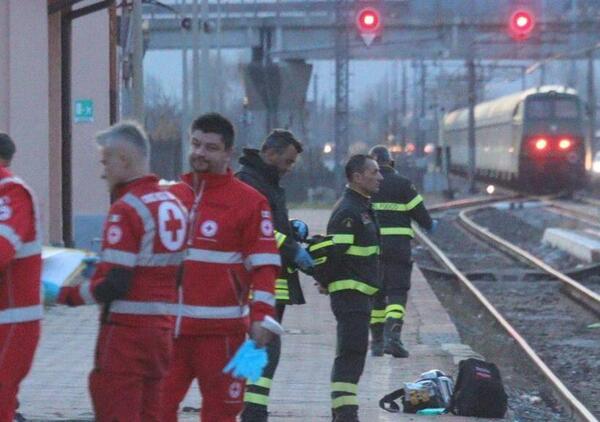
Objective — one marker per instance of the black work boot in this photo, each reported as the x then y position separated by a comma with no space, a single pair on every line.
346,414
254,413
376,339
392,344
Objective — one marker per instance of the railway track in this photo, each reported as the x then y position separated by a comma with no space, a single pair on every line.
526,325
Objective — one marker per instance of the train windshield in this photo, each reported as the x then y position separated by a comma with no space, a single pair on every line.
552,108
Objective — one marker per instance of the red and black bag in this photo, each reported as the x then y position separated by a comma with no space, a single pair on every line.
478,391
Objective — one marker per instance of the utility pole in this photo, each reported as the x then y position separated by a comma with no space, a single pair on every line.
342,88
591,94
137,56
472,82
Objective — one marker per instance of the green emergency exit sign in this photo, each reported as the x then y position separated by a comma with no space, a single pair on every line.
84,111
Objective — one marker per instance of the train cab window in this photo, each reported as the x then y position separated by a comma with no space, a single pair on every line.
539,109
565,109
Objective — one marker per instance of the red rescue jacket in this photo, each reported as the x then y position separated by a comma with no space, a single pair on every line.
20,252
145,231
231,251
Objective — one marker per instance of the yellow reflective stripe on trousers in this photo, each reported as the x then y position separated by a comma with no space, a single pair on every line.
343,239
256,398
262,382
279,238
396,206
281,289
363,250
377,316
344,401
403,231
338,285
344,387
394,311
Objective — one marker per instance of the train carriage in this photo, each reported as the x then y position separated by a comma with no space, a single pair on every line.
534,139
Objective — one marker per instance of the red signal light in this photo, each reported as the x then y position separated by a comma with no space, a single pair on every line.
521,24
541,144
368,20
564,143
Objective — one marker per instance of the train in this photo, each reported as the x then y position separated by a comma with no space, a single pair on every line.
534,140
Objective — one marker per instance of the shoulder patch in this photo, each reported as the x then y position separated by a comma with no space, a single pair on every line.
348,222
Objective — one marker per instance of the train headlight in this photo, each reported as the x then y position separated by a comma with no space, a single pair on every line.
541,144
596,167
564,143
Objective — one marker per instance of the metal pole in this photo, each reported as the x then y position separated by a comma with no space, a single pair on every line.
523,78
137,59
421,134
591,88
472,101
342,76
205,68
195,60
218,77
185,97
404,106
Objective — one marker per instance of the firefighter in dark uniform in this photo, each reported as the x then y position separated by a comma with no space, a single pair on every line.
354,279
396,204
262,170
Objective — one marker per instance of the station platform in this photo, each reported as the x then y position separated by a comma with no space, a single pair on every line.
56,388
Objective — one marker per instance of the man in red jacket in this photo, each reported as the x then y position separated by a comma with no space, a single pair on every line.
20,268
142,249
231,251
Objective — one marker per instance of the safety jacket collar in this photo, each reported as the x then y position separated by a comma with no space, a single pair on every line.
211,180
5,172
357,196
385,169
252,159
123,188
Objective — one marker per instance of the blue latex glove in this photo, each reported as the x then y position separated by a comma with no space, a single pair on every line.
303,260
90,265
248,362
434,224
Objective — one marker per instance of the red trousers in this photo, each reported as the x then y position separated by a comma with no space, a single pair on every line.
17,347
131,363
203,358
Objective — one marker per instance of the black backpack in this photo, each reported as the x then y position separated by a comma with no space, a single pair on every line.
478,390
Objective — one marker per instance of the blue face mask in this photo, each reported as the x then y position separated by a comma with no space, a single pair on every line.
248,362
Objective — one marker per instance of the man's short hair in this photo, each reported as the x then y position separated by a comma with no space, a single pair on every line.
128,131
279,140
356,164
7,147
381,154
215,123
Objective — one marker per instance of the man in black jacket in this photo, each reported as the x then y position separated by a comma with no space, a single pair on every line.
354,270
262,170
396,204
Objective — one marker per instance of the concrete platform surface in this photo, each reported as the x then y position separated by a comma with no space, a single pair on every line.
56,388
